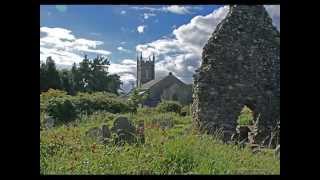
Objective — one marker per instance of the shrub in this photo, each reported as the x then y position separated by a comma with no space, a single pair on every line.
89,103
246,116
169,106
62,109
65,108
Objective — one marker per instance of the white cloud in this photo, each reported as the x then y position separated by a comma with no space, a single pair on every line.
177,9
123,42
123,12
181,54
64,47
140,28
126,69
120,48
147,15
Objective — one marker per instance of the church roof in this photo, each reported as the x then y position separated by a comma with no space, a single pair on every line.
151,83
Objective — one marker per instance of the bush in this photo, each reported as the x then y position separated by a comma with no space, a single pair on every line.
62,109
169,106
246,116
65,108
89,103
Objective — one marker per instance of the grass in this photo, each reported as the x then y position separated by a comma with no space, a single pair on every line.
177,150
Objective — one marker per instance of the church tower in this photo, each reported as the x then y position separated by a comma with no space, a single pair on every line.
145,70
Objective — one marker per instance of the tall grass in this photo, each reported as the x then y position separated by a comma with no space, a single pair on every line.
177,150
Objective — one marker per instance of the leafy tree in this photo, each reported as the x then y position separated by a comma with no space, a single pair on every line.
49,76
114,83
90,76
99,76
84,75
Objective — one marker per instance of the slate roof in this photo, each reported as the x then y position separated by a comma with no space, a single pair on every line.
151,83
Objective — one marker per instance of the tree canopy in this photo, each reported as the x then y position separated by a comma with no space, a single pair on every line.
91,76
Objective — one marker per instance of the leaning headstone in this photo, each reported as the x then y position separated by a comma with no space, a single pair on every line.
124,129
49,122
240,66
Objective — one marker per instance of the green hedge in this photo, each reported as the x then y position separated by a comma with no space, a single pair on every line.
65,108
169,106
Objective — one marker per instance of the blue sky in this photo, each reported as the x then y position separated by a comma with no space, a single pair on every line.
116,24
176,34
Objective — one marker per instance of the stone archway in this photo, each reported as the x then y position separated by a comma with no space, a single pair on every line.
240,66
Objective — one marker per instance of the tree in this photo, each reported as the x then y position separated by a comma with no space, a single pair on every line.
49,76
114,83
99,80
67,81
84,75
76,78
43,83
90,76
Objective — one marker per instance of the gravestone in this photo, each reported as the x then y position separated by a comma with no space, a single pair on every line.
240,66
124,129
49,122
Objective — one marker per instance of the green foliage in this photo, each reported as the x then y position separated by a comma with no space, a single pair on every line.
62,109
49,76
65,108
246,116
169,106
100,101
91,76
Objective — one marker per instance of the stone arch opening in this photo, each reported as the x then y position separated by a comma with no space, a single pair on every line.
245,116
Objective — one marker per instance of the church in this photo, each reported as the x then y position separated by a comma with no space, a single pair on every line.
165,88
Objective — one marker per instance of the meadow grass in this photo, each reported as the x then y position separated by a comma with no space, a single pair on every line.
178,150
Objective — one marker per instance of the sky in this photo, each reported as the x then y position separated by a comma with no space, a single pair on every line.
176,35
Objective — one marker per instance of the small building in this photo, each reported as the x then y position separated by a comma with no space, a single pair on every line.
166,88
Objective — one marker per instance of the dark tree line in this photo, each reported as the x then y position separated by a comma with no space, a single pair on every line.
91,76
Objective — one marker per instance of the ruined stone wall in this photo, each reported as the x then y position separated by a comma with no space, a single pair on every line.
240,66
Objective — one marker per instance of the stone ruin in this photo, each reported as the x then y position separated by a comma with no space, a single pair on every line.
240,66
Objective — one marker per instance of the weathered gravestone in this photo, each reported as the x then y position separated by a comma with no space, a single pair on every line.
240,66
49,122
124,129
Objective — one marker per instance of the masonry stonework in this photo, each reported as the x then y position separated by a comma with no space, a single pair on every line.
240,66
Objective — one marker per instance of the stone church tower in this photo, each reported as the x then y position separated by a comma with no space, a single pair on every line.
145,70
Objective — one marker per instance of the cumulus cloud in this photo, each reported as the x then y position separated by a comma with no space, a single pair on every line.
64,47
181,54
123,12
175,9
140,29
122,49
126,69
